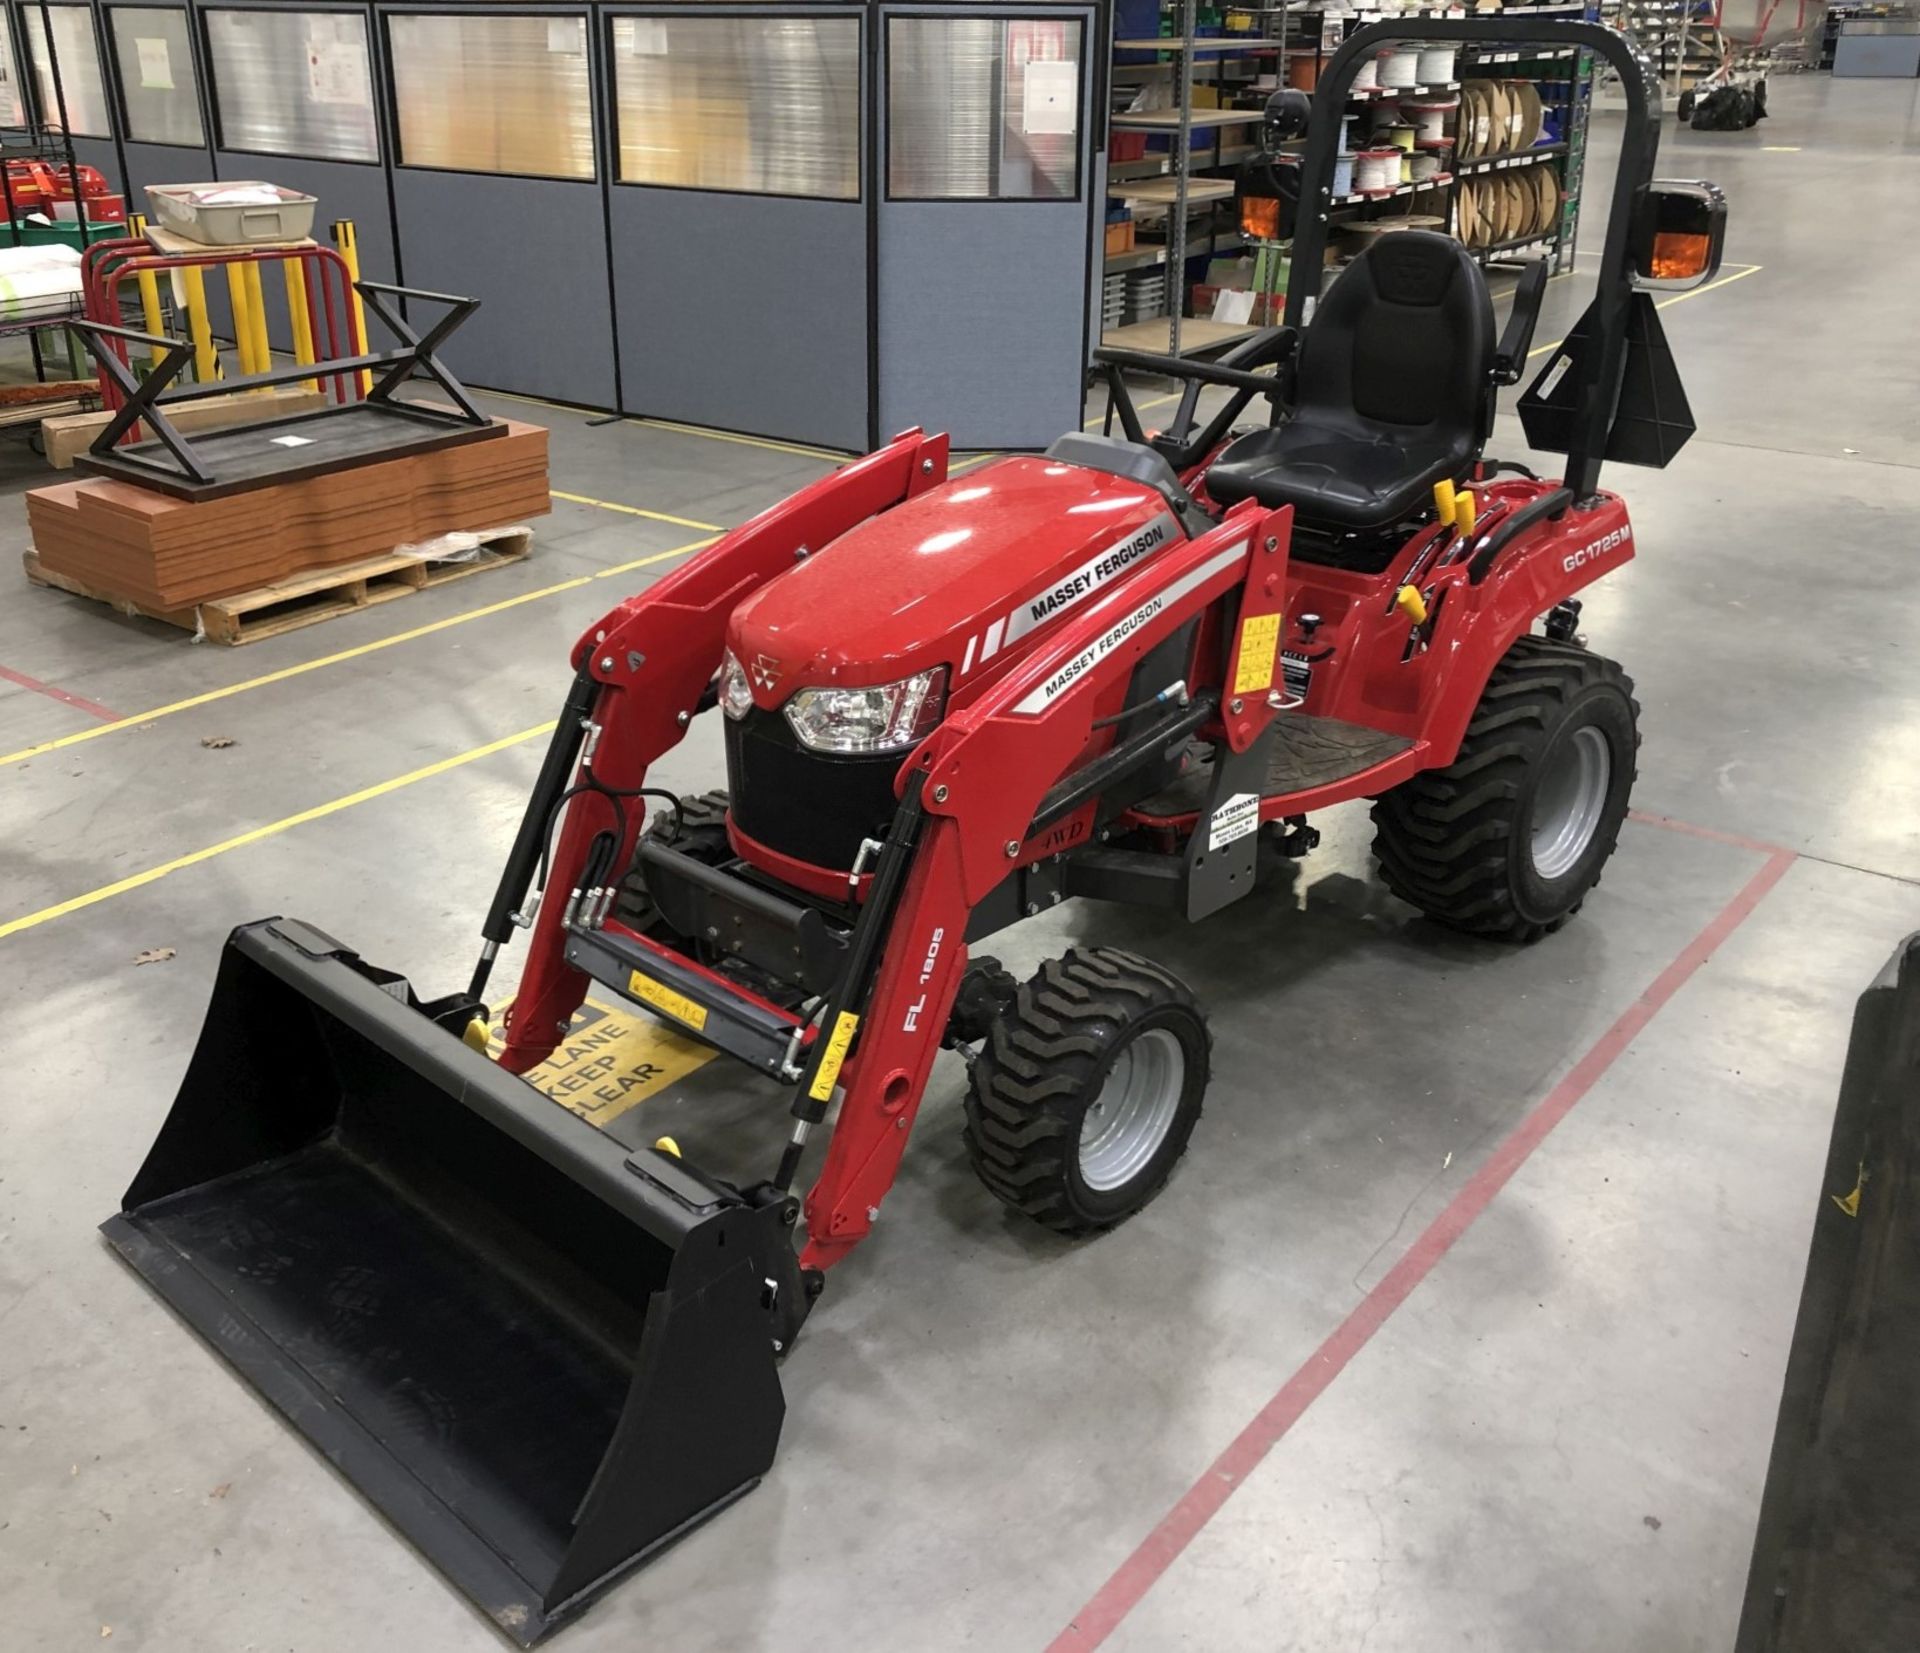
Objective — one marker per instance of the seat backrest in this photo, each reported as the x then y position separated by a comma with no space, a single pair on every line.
1403,339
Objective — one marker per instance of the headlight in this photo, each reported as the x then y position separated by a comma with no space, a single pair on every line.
736,693
887,719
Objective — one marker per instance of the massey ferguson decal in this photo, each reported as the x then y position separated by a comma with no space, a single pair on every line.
766,670
1073,670
1597,549
1070,589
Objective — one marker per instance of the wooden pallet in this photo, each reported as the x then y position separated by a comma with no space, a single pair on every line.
305,599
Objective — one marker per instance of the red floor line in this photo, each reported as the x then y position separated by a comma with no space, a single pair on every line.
1713,835
1178,1528
79,701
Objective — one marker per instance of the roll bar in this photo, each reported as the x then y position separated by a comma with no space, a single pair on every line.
1599,394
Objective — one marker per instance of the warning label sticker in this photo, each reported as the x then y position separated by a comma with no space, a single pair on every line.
664,999
612,1060
1259,642
1233,820
834,1057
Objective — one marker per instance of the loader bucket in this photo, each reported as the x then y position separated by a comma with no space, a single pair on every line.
541,1355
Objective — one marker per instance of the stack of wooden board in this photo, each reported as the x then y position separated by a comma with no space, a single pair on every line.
148,548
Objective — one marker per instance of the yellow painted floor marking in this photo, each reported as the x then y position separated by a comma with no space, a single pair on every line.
1668,303
96,730
748,441
968,464
613,1059
638,511
1780,149
135,880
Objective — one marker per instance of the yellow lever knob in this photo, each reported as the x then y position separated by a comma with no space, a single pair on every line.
1410,603
667,1145
1443,500
474,1035
1465,511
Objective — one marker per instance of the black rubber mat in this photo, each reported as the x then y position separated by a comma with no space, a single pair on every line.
1833,1556
1303,752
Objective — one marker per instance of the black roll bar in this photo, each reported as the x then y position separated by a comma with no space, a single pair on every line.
1598,394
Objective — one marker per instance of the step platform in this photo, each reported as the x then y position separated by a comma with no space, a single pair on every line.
1303,754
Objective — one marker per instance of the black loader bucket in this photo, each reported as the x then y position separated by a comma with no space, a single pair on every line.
540,1354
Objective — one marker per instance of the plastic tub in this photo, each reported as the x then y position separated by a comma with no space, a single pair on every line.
207,213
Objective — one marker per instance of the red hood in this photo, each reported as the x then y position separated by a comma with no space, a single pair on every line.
956,577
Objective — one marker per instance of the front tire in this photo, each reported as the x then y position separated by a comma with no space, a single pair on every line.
1508,839
1088,1090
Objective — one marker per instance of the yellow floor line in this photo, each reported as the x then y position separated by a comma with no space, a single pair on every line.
1668,303
95,731
272,828
746,441
638,511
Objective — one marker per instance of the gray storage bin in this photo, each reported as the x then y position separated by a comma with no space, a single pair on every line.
178,207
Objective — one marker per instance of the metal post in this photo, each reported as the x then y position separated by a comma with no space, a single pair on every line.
1181,155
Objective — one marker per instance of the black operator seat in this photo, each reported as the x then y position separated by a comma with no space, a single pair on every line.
1392,391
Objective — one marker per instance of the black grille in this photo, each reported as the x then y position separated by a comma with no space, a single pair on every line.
811,805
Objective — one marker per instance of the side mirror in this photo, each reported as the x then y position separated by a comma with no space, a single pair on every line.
1679,234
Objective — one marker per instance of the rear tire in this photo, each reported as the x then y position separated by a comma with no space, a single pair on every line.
699,830
1087,1090
1508,839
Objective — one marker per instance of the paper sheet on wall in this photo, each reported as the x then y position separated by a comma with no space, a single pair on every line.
566,36
1052,98
645,36
337,72
156,67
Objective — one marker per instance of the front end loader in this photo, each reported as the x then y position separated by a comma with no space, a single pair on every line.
1128,670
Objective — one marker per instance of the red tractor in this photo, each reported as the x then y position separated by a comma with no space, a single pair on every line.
1130,669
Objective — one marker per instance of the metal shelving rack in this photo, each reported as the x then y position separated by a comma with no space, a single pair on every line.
1290,31
1519,63
1177,186
1677,35
37,139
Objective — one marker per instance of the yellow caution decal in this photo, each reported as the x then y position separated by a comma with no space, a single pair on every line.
1259,641
664,999
834,1056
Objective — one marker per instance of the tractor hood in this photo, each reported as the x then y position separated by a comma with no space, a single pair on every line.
969,575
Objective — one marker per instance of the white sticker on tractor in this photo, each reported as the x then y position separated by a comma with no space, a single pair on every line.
1233,820
1065,676
1550,380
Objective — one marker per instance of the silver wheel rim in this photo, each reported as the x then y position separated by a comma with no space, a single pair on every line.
1134,1111
1569,801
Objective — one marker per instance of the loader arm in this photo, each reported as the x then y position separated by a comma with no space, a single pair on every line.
974,790
647,665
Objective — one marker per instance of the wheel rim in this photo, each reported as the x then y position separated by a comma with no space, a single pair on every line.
1569,801
1134,1111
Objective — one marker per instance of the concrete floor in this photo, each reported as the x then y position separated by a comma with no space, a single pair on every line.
1461,1326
